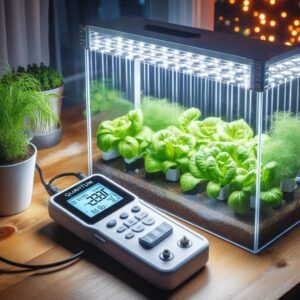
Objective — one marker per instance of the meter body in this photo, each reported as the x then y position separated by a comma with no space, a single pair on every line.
130,230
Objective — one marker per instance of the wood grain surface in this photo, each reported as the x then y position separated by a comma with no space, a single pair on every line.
33,237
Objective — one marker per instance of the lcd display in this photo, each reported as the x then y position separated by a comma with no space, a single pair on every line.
95,200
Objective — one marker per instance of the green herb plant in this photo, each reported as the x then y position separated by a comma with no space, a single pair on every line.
23,106
48,77
284,145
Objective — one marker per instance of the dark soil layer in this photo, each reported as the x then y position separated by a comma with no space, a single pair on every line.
212,215
29,153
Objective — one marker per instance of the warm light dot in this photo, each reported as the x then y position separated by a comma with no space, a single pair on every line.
255,14
272,2
257,29
236,19
298,38
294,32
246,2
271,38
236,29
288,43
263,22
227,22
293,40
247,31
283,14
290,28
245,8
297,22
262,16
231,1
273,23
263,37
221,18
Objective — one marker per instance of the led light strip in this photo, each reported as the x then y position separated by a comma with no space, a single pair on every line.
180,61
284,70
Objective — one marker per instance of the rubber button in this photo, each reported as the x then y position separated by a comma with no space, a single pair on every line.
141,215
129,235
111,223
148,221
130,222
138,228
123,215
121,229
135,209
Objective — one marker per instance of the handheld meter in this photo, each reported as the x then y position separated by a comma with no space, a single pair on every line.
130,230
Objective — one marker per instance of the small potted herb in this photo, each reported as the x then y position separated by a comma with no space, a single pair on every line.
51,83
22,107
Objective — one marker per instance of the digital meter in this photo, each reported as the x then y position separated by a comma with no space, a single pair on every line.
130,230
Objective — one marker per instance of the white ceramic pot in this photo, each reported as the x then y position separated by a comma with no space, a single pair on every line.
173,174
16,183
56,103
288,185
224,193
110,154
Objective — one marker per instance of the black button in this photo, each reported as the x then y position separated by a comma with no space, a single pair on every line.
123,215
129,235
155,236
166,255
111,223
135,209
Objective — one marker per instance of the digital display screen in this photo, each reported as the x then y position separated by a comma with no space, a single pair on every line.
94,200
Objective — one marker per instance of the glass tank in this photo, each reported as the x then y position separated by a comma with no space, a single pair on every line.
203,125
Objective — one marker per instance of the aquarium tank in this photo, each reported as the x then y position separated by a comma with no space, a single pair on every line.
203,125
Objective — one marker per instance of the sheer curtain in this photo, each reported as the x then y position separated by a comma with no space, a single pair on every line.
24,32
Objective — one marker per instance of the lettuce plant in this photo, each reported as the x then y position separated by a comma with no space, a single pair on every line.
126,134
169,148
212,165
245,185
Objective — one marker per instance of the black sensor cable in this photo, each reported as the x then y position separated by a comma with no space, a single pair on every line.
51,190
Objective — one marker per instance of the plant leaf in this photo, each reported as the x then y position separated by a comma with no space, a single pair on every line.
188,182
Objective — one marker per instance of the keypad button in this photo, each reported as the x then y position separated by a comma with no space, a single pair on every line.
141,215
111,223
138,228
123,215
121,229
135,209
155,236
148,221
130,222
129,235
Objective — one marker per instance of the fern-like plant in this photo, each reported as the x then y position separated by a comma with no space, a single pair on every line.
22,107
284,145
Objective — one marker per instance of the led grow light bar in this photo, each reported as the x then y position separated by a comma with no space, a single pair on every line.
217,69
284,70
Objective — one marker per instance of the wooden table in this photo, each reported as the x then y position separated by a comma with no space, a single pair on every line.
231,273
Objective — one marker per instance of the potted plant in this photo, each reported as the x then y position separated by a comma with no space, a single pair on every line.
51,83
22,106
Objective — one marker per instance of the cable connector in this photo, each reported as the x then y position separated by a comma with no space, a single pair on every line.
81,176
52,190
